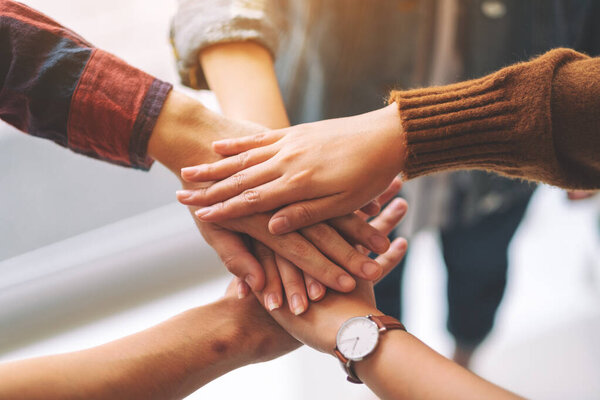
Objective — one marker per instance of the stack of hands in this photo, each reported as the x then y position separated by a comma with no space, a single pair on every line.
291,225
327,248
310,251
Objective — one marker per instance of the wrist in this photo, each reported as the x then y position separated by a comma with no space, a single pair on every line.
391,127
182,134
328,325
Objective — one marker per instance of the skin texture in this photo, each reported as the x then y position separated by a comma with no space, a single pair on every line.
183,136
167,361
243,79
401,367
175,358
279,168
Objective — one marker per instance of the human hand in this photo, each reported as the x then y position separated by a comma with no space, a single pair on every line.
318,326
355,160
253,324
183,135
306,249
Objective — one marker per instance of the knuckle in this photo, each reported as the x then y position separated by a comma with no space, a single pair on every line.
233,264
289,156
300,178
203,192
303,213
263,253
242,159
208,170
299,249
238,180
251,196
294,282
259,138
319,231
352,257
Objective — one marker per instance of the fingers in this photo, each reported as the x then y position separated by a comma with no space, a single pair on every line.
297,249
243,290
252,185
293,282
387,220
358,231
229,147
371,208
224,168
235,255
391,191
338,250
305,213
307,257
272,293
393,256
316,291
259,199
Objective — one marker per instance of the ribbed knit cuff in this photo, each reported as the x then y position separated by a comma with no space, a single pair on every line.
500,122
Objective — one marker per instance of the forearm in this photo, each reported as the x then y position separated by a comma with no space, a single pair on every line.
535,120
403,367
170,360
242,76
55,85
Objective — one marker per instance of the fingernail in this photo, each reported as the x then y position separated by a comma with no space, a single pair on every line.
242,293
314,291
396,203
279,225
183,194
203,212
371,270
273,302
188,170
222,142
250,280
379,243
297,306
346,282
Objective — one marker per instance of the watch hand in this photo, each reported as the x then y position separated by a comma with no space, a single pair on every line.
355,343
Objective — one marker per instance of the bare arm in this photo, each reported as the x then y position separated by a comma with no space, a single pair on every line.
242,76
402,367
168,361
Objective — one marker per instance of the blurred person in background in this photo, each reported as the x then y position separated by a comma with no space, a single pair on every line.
339,57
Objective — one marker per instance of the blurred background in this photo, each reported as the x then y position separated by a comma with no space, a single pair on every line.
90,252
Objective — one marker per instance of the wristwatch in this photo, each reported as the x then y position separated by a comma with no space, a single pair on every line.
358,337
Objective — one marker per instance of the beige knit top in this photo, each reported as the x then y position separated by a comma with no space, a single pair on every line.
538,120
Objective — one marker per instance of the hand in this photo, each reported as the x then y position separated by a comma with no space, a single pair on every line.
255,325
308,255
331,168
182,136
318,326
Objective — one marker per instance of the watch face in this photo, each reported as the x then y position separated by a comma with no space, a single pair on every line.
357,338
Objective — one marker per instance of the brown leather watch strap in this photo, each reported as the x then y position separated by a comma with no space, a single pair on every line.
348,367
386,322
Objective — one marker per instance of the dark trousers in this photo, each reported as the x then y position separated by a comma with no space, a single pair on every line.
477,262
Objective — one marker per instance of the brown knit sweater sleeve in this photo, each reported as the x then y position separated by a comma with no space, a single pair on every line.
538,120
